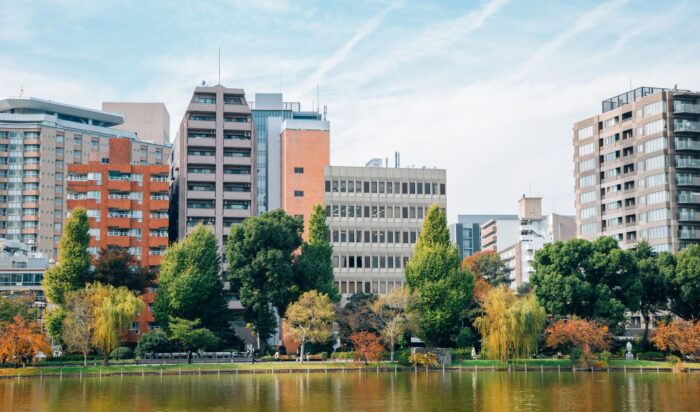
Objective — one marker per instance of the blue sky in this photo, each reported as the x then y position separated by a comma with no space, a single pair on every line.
486,89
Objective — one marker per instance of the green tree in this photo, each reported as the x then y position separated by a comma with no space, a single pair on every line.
655,284
21,306
189,285
151,342
488,265
314,268
114,309
510,326
310,319
190,336
118,267
592,280
53,322
357,315
443,290
78,325
260,254
74,260
686,283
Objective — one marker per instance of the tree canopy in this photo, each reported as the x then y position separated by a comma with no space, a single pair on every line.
592,280
443,290
685,283
118,267
189,285
73,266
114,309
314,267
310,319
487,265
260,255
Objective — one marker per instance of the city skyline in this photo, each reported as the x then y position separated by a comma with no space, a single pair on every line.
493,93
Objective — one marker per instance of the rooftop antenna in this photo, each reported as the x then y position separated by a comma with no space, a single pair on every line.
219,64
21,90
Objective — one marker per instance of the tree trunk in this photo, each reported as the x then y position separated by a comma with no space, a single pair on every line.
392,349
84,358
647,319
105,358
301,354
189,356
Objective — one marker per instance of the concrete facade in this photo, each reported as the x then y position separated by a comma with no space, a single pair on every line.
21,270
375,215
498,233
636,169
305,153
38,140
150,121
213,167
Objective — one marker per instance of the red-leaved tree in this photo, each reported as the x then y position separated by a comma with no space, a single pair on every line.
21,341
586,334
680,336
368,346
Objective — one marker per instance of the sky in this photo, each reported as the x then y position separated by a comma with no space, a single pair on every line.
488,89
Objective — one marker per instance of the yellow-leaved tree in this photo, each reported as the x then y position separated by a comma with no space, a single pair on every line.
310,319
114,309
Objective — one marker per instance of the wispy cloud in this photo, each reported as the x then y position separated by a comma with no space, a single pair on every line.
343,52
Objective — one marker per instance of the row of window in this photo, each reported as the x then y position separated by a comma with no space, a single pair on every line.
376,211
384,187
371,261
210,169
20,279
211,204
358,286
396,237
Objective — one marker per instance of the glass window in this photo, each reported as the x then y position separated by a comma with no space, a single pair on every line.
588,196
588,212
587,181
586,165
585,132
586,149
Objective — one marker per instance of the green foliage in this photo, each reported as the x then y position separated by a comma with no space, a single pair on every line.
74,260
318,228
466,338
314,268
592,280
189,285
117,267
673,360
53,322
152,342
190,336
686,283
122,352
356,316
443,291
11,307
79,322
656,290
260,254
310,319
489,266
402,358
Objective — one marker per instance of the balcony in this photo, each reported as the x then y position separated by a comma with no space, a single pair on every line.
201,194
201,141
236,108
123,204
691,162
688,234
202,107
159,204
682,125
242,213
121,241
201,177
238,161
238,126
159,186
688,215
689,198
237,195
237,178
122,185
197,212
201,159
686,144
682,106
201,124
158,223
237,143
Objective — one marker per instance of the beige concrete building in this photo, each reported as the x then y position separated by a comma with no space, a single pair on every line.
38,140
212,171
498,233
150,121
375,215
637,169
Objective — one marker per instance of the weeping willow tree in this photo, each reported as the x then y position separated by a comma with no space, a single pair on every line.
114,309
510,326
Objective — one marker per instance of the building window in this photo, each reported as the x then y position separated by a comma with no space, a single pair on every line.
298,193
298,170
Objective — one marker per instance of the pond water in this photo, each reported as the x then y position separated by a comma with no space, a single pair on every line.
320,392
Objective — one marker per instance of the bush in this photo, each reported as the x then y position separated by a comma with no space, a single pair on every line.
343,355
651,355
122,352
151,342
423,359
605,356
673,360
466,338
402,358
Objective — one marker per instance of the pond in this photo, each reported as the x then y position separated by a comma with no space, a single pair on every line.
360,391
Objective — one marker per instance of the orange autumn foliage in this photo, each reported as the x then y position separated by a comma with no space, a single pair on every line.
481,289
578,332
678,336
368,346
20,341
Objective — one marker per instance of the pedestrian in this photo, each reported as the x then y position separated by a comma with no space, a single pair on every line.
277,356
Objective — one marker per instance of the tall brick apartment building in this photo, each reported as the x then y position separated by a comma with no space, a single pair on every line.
127,206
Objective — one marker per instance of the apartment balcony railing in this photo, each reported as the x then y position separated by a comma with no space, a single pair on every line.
687,162
681,125
687,144
680,106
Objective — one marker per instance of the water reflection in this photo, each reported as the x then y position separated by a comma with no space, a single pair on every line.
366,391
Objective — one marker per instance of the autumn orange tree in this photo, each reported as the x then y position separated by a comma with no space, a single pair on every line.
20,341
487,265
368,346
680,336
575,332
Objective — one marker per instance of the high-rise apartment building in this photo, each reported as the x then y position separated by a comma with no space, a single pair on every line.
38,140
127,204
498,233
269,112
534,230
375,215
636,169
466,233
150,121
213,168
304,153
